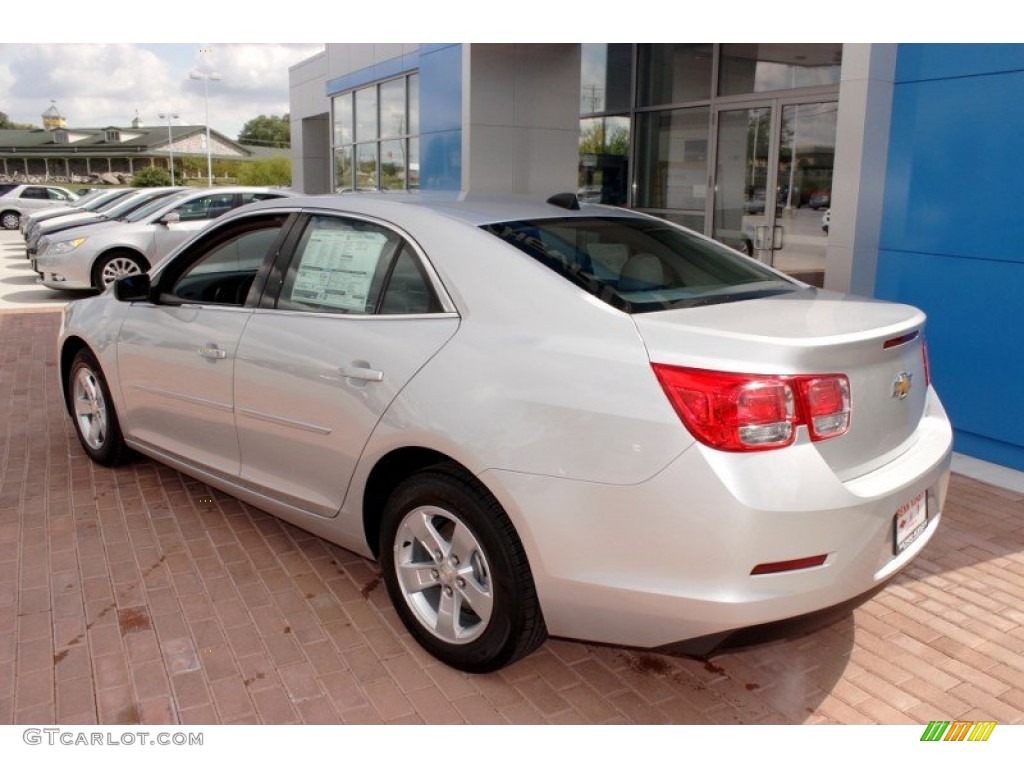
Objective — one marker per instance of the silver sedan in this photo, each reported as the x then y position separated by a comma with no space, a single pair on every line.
540,417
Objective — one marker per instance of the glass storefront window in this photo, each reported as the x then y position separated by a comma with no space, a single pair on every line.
674,73
343,119
414,104
366,166
343,180
392,164
762,67
606,72
414,163
672,164
366,113
374,141
604,160
392,109
694,221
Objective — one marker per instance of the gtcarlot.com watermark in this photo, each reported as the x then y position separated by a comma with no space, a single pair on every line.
70,737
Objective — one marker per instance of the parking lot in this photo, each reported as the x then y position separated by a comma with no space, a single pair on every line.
138,595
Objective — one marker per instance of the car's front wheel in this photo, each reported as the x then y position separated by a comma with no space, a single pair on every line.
457,573
112,266
10,220
96,422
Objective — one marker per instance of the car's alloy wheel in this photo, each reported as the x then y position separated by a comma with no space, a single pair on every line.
10,220
457,573
114,267
94,417
443,574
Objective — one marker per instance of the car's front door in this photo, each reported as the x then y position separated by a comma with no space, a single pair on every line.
177,355
357,315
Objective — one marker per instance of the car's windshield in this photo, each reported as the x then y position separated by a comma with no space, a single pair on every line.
111,201
155,205
133,203
91,198
641,265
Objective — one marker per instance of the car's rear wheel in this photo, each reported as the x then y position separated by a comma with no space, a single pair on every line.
113,266
457,573
92,410
10,219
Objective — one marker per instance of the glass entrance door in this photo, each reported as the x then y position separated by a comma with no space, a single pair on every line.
773,183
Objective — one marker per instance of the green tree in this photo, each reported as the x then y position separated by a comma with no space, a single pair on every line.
267,131
598,139
151,177
271,172
8,124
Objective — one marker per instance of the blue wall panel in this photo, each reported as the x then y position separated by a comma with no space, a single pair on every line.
951,60
952,237
975,340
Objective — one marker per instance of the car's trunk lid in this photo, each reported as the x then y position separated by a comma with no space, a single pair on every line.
877,345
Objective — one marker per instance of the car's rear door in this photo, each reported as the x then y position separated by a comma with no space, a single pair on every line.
356,313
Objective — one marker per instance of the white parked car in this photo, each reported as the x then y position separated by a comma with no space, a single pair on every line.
93,259
540,418
17,200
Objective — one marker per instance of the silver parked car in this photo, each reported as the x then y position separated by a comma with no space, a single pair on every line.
540,417
113,211
92,260
17,200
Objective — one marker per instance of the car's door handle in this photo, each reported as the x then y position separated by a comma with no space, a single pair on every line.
212,352
361,373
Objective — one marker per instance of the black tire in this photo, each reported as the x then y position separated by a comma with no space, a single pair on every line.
115,264
92,412
498,618
10,219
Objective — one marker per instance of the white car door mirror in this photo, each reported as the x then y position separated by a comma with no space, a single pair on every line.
171,218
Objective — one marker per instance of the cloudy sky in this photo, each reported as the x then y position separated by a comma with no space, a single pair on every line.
99,84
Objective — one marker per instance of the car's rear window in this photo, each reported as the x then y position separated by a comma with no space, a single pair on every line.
641,265
5,188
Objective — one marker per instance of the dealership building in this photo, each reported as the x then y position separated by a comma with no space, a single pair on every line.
874,169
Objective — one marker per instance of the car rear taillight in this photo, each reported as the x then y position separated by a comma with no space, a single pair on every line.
743,412
924,359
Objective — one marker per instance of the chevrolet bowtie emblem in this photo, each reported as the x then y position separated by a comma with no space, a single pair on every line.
901,385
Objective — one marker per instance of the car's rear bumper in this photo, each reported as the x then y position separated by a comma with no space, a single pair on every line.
671,559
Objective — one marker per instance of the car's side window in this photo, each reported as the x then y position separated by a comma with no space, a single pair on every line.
408,291
34,193
57,194
206,207
339,266
225,265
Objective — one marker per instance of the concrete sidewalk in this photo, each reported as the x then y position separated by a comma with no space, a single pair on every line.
137,595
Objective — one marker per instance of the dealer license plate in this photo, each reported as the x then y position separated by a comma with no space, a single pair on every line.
910,521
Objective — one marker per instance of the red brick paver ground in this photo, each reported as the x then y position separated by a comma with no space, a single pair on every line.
137,595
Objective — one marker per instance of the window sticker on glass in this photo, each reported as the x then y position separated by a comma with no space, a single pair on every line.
337,269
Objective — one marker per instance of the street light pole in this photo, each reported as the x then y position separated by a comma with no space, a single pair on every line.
170,139
206,77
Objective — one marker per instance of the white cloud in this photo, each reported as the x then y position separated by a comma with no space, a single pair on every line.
106,84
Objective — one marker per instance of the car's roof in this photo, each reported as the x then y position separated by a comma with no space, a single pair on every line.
473,209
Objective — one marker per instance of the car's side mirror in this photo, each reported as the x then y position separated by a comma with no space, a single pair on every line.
133,288
171,218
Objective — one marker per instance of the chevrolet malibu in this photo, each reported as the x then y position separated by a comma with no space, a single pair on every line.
540,417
